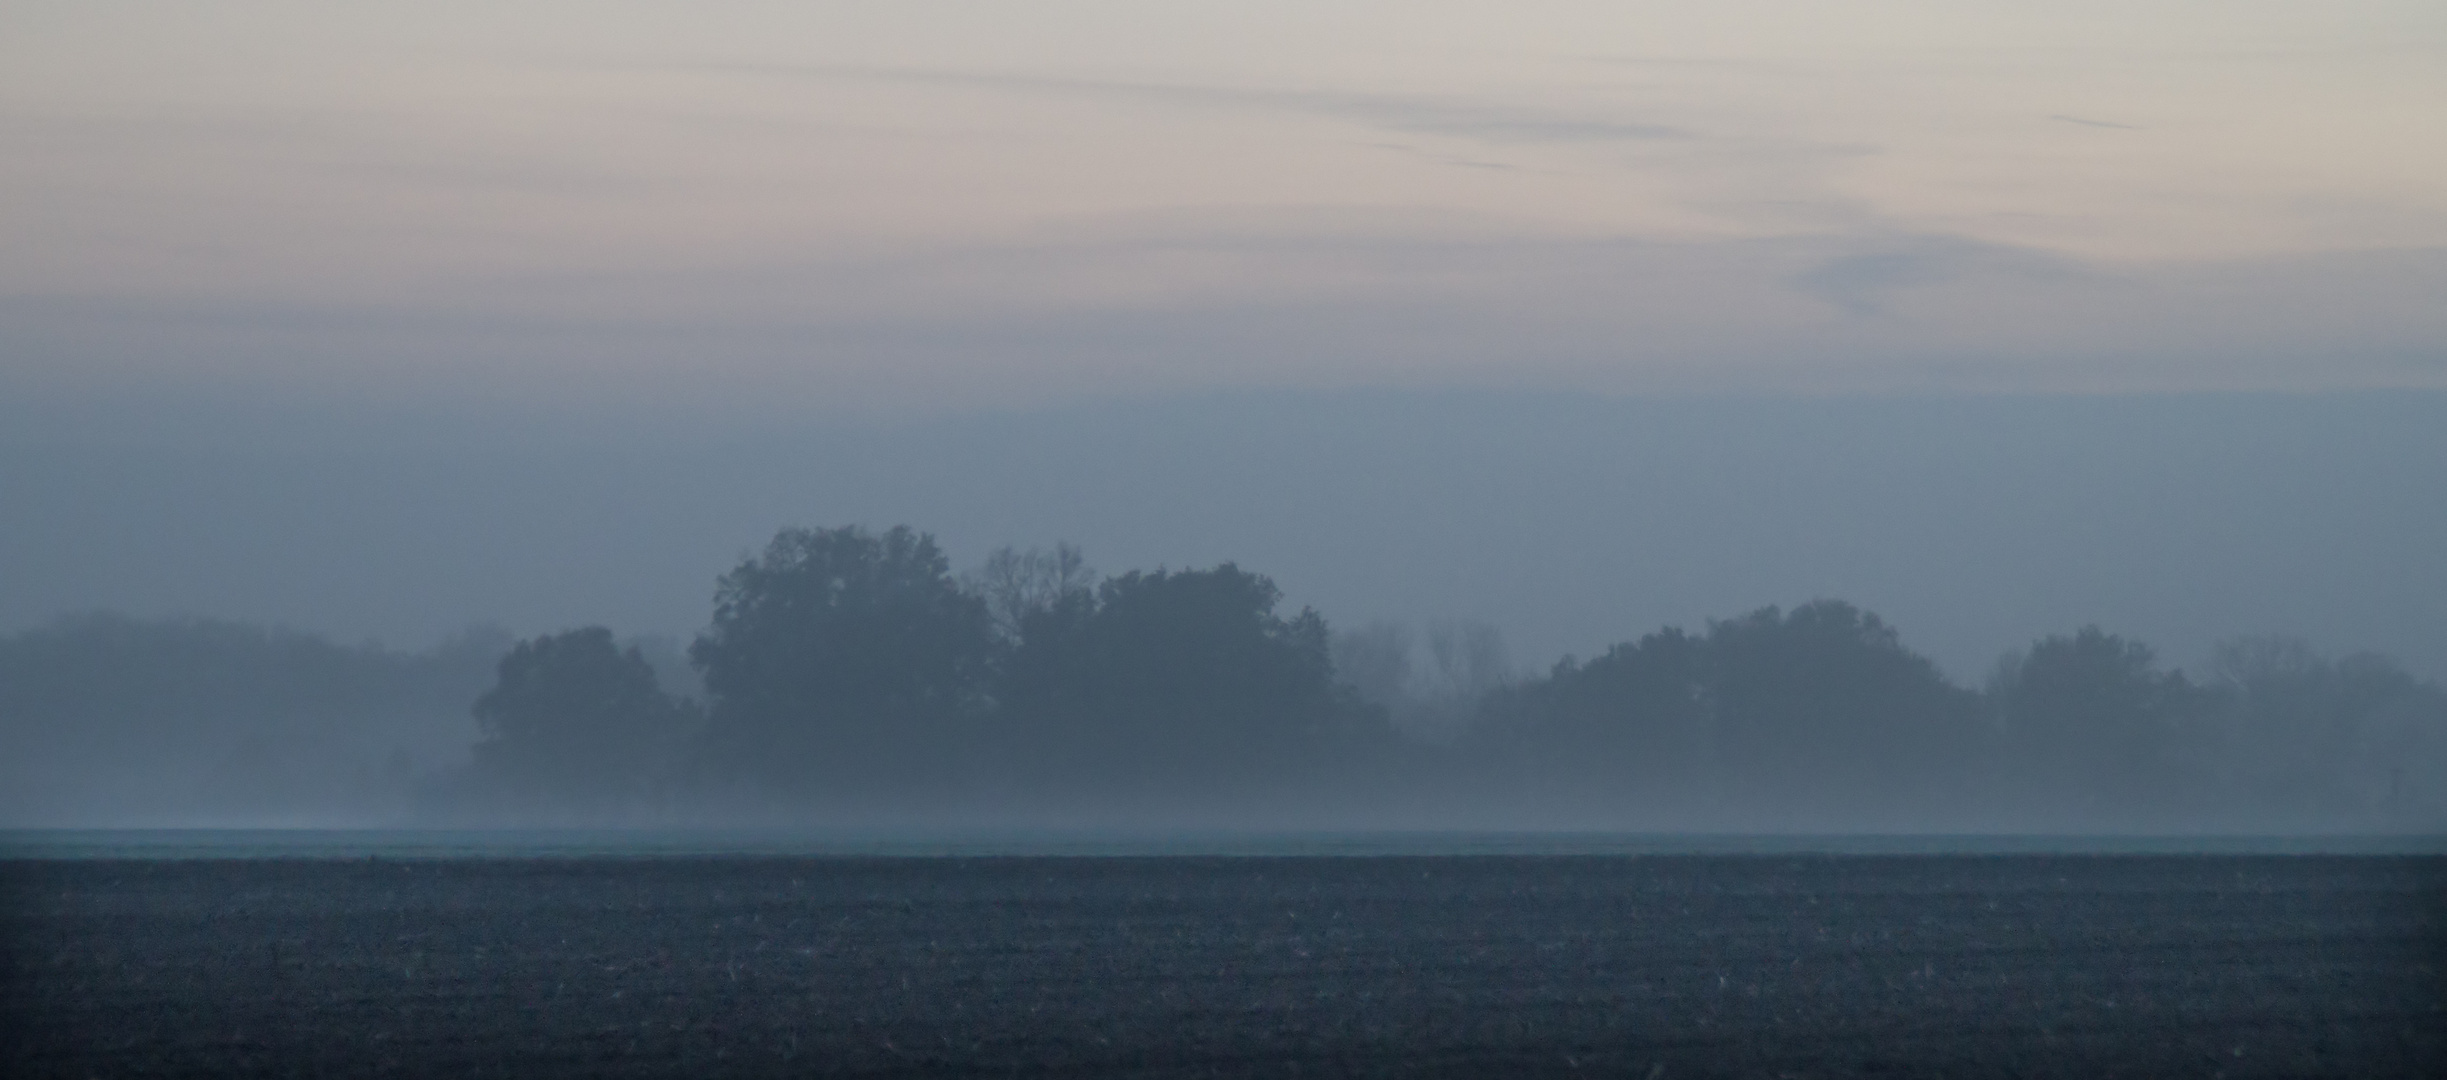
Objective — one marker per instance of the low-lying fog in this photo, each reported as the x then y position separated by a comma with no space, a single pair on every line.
2189,614
849,680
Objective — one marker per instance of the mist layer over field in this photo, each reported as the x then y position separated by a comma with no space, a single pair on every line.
850,680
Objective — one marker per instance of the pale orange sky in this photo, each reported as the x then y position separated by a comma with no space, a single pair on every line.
927,203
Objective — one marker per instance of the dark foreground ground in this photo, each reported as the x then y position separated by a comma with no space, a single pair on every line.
1497,966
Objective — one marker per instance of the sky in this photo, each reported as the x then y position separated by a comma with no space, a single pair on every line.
550,310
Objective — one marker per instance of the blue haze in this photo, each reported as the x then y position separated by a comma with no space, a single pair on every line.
1973,523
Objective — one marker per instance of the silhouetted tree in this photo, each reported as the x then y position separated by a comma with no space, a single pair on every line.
1628,731
1016,584
1172,681
845,661
576,723
1819,718
2303,741
1822,713
2094,729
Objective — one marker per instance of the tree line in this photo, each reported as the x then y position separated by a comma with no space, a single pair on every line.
848,675
849,670
106,719
1782,719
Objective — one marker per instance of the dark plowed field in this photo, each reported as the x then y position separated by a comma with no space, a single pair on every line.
1496,966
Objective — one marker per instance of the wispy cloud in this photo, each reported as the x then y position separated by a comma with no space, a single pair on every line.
2085,122
1863,281
1487,122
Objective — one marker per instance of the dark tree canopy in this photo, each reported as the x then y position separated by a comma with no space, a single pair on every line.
1635,718
1799,720
839,649
577,720
1171,675
2092,722
1822,707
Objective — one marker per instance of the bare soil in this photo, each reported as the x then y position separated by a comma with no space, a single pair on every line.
1646,967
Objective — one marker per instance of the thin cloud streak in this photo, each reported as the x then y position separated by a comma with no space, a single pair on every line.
2062,118
1414,113
1069,316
